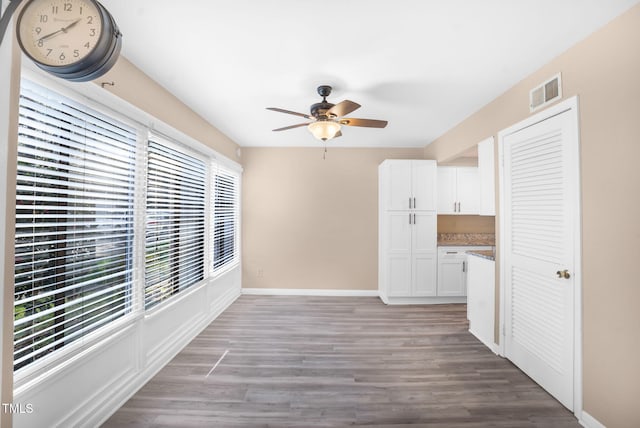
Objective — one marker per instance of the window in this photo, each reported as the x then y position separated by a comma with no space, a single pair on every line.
174,238
225,218
108,224
74,222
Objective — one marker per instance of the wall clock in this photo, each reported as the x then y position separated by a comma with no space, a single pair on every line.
75,40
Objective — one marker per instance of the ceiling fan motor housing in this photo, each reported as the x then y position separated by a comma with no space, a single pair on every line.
319,110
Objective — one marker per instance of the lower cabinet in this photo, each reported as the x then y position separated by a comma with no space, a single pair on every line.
452,270
409,263
452,275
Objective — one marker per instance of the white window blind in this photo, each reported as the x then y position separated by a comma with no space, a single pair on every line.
225,217
175,226
74,222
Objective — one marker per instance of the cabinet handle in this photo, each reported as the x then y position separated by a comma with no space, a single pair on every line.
414,203
414,218
409,203
464,266
459,207
409,218
455,210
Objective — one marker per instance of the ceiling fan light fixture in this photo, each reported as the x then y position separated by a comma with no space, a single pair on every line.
324,129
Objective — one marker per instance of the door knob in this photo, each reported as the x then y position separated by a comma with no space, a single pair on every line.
563,274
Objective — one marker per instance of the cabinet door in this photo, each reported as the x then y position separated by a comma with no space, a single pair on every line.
424,232
447,190
425,267
451,278
423,185
399,185
398,254
424,253
468,190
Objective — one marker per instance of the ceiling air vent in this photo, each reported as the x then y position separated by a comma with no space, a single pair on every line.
545,93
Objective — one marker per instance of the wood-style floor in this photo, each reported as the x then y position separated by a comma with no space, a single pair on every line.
334,362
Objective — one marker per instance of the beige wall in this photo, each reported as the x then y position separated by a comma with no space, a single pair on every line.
135,87
466,224
312,223
604,71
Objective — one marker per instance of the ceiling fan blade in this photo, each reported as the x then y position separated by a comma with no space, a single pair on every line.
291,127
343,108
369,123
281,110
337,134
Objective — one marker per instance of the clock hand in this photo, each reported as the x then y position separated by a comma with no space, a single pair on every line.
55,33
70,25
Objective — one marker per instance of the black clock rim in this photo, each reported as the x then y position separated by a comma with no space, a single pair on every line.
97,62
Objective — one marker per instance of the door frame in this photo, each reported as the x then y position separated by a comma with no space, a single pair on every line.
570,105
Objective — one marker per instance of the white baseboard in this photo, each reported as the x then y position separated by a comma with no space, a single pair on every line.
424,300
588,421
488,343
309,292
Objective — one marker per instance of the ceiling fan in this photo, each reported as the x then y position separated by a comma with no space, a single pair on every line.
327,118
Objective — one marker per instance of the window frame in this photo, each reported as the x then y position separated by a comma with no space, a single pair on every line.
235,260
185,150
59,357
109,105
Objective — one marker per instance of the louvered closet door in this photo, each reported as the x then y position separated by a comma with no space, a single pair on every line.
538,178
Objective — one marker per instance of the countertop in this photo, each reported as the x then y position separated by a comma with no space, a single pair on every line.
466,239
485,254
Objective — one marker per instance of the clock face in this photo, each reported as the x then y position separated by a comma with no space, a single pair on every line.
59,32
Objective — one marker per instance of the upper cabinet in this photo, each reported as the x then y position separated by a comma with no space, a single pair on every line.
458,190
409,185
486,171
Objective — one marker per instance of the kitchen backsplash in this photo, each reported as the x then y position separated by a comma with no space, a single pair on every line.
467,239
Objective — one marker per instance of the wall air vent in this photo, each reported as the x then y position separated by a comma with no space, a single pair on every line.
545,93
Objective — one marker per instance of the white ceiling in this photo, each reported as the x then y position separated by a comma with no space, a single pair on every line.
423,65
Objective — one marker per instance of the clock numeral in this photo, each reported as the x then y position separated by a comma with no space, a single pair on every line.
40,43
89,20
44,18
87,45
49,51
76,53
80,10
38,30
62,57
67,7
54,9
92,32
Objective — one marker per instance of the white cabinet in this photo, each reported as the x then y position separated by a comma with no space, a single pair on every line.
409,184
407,267
452,269
410,257
452,277
486,173
458,190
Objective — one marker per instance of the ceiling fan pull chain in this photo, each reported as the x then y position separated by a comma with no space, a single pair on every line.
324,155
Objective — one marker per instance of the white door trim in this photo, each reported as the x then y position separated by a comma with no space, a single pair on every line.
570,105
